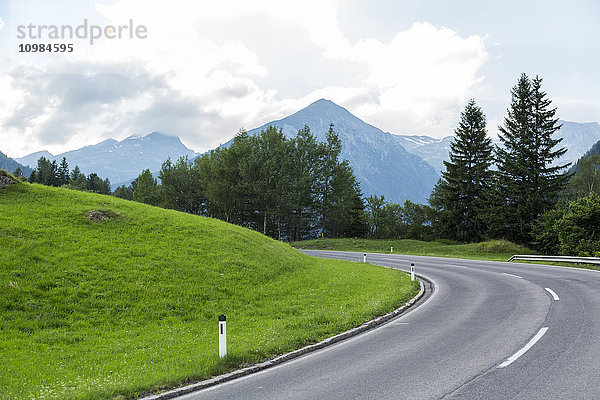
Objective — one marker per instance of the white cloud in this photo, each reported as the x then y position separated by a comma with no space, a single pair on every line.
576,109
217,61
1,23
419,81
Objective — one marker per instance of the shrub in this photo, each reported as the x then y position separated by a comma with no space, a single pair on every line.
579,228
545,232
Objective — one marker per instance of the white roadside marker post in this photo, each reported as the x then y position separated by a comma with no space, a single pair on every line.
365,257
222,336
412,271
392,249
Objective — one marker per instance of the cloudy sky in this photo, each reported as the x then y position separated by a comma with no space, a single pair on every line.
205,69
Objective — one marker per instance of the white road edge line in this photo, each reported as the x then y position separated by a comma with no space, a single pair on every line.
552,293
514,276
529,345
457,266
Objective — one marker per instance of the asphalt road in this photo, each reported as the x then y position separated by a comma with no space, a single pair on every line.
490,330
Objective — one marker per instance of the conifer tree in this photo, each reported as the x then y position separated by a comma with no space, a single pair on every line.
528,180
461,196
181,187
63,172
124,192
303,193
146,190
78,180
18,173
33,176
94,183
54,181
45,172
105,188
330,154
76,174
585,181
345,214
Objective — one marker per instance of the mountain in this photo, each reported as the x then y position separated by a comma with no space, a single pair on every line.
578,138
120,161
381,163
594,151
9,165
31,159
434,151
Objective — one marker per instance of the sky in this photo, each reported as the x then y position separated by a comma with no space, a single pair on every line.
203,70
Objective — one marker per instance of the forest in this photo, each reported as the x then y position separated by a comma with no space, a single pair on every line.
298,188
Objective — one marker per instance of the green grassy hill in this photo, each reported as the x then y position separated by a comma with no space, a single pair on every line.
102,298
493,250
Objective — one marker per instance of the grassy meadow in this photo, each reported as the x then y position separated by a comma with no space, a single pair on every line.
101,298
493,250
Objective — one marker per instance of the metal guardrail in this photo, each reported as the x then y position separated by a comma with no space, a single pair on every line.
569,259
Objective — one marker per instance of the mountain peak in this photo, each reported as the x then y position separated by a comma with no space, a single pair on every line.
381,164
152,135
325,105
108,141
159,135
322,102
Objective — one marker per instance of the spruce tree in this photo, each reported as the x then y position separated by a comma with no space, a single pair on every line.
78,180
105,186
330,152
528,181
45,173
303,176
33,177
94,183
550,178
54,181
461,195
124,192
63,172
76,174
346,212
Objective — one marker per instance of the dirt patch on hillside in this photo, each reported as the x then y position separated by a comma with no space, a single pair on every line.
101,215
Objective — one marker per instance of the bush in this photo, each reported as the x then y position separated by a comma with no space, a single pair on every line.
545,231
579,228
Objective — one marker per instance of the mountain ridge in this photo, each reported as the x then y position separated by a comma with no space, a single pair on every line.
119,161
400,167
10,165
381,164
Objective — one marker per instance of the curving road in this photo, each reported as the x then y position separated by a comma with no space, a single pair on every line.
490,330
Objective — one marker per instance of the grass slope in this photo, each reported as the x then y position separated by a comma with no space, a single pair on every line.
493,250
119,307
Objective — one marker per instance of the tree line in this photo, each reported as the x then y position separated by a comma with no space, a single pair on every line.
518,190
289,189
50,173
298,188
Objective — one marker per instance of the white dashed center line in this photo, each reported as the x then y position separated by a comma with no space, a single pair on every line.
529,345
552,293
457,266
